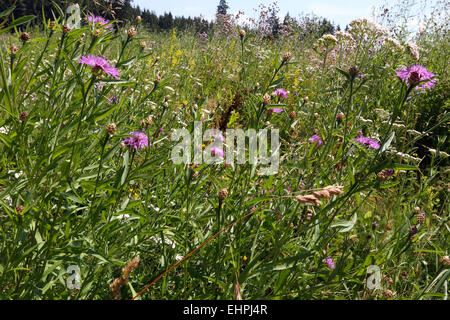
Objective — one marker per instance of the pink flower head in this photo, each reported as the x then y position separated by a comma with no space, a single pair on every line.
100,63
113,100
315,138
99,21
276,110
330,263
219,151
280,92
138,141
416,74
368,142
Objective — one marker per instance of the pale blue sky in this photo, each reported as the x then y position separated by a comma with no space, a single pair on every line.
341,12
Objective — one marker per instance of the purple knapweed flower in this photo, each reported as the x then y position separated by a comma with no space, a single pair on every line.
416,74
114,100
99,21
280,92
315,138
100,63
276,110
138,141
219,151
329,262
368,142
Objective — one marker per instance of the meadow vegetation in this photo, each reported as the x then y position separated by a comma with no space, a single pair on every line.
86,176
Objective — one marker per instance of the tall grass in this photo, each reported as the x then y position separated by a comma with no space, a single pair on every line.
71,193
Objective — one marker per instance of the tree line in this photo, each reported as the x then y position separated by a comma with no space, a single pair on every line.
121,10
125,12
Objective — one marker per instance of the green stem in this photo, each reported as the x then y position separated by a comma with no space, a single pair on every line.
98,171
91,83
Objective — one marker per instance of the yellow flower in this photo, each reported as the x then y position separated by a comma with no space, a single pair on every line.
244,258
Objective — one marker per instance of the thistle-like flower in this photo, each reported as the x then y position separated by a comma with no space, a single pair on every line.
281,93
138,141
415,74
98,21
100,63
368,142
315,138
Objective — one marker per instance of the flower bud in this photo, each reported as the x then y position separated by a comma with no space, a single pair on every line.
13,49
287,56
353,71
23,116
223,194
266,99
19,209
131,32
445,260
111,128
66,28
24,37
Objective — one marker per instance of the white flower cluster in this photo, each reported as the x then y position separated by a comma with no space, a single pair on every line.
416,133
393,44
367,26
328,41
383,114
404,156
413,50
344,36
364,120
440,153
